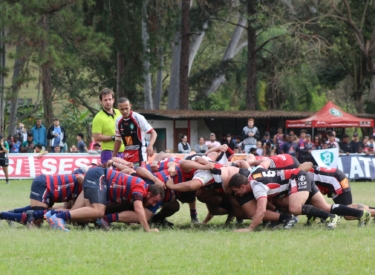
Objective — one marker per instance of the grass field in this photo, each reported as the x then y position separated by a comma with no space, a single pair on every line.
187,249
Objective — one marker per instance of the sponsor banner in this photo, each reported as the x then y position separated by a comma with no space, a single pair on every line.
326,157
357,166
28,166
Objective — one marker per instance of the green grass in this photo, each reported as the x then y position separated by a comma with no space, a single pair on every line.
208,249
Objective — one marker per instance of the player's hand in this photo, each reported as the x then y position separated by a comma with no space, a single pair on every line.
154,166
150,151
223,148
153,230
159,183
209,166
172,171
169,183
243,230
109,163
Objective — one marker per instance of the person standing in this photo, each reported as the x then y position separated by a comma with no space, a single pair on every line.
290,147
40,133
131,130
355,143
4,161
184,146
81,145
16,145
56,134
250,135
103,125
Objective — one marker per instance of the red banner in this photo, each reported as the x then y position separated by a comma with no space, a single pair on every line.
28,166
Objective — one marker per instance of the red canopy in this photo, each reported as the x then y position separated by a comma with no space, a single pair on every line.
330,116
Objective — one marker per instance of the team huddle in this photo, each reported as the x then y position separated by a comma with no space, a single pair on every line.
274,189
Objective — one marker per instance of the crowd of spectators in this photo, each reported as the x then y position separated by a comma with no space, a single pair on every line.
40,140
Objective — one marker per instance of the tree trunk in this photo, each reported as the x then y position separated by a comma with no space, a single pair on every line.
251,57
229,54
17,71
184,61
148,105
195,44
46,77
159,81
174,85
120,75
2,81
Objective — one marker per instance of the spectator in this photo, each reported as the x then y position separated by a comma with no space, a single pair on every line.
183,146
253,151
40,133
22,132
336,138
16,145
28,145
4,161
57,135
10,141
365,142
371,141
356,142
231,142
360,150
369,150
56,149
238,142
81,145
302,138
200,147
97,147
73,149
317,143
259,148
250,135
279,137
345,145
38,148
212,142
305,150
331,142
269,149
290,147
266,138
237,149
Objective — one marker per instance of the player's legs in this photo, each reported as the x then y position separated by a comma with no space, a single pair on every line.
6,174
39,195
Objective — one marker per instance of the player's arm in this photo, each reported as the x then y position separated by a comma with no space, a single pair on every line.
150,147
265,163
221,148
122,161
117,146
258,216
140,213
80,179
144,173
186,186
187,165
161,155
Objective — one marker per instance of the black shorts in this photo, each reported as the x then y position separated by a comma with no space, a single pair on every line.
303,182
245,198
95,185
39,191
344,198
4,162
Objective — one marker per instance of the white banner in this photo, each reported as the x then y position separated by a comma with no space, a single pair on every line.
326,157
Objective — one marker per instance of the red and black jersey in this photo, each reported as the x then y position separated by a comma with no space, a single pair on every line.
125,188
282,161
330,181
63,188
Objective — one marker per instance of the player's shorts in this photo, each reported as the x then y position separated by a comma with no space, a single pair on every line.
4,162
245,198
39,191
106,155
95,185
302,182
344,198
